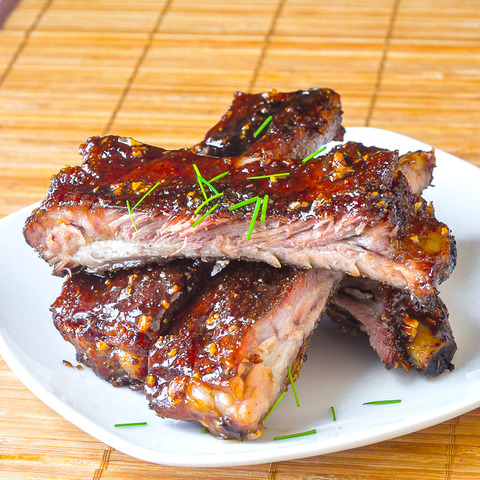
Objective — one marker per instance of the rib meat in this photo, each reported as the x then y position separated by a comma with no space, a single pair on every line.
67,229
224,362
418,169
113,319
348,211
301,122
400,328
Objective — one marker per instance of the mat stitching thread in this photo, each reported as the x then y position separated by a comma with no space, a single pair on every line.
103,463
451,449
24,42
136,69
383,60
266,44
272,470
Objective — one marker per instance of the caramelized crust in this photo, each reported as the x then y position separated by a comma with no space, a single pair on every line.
351,200
224,362
300,121
401,329
113,319
349,210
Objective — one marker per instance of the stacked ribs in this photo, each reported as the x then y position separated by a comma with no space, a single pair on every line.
200,274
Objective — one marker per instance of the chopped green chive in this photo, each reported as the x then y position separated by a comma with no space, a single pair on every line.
205,215
359,154
218,177
130,424
306,159
262,126
293,435
202,430
131,217
254,218
258,203
382,402
130,210
269,176
242,204
201,180
293,386
274,406
199,176
143,198
333,414
207,201
263,216
207,183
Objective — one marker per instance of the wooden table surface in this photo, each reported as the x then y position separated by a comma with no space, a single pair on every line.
163,71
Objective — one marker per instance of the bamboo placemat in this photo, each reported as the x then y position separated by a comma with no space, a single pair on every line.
163,71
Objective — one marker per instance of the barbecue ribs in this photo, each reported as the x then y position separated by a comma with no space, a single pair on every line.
401,329
224,361
350,210
113,319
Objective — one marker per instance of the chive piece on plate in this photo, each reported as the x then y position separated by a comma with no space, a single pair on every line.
382,402
293,386
293,435
137,424
334,416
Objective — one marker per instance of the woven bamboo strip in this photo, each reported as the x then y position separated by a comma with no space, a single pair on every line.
245,18
327,19
9,41
166,107
102,16
442,102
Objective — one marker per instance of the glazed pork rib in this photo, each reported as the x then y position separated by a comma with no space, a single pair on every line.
400,329
300,122
224,361
347,210
113,319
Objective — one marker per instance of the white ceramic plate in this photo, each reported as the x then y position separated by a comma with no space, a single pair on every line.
341,371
